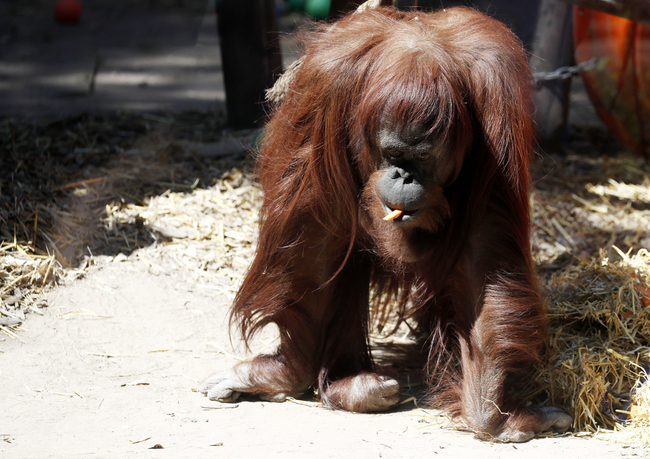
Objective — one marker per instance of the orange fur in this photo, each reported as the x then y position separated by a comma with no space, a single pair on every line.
465,273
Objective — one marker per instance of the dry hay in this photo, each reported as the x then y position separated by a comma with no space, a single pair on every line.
599,338
24,276
57,175
637,430
210,232
598,294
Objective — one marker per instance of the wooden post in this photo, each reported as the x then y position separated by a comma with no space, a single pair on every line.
552,48
250,56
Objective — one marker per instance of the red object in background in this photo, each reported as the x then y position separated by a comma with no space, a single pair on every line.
67,11
619,86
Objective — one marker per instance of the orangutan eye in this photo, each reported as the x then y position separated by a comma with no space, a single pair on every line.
422,156
394,154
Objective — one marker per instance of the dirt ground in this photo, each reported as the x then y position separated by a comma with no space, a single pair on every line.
109,369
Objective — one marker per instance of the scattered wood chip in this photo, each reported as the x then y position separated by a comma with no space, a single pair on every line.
139,382
223,406
139,441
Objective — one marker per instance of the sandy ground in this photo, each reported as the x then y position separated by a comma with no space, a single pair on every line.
111,367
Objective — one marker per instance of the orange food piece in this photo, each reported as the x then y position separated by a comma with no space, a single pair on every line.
394,214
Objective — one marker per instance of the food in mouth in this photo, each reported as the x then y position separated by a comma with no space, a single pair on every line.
394,214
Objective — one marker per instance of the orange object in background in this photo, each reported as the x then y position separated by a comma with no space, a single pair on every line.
67,11
619,86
